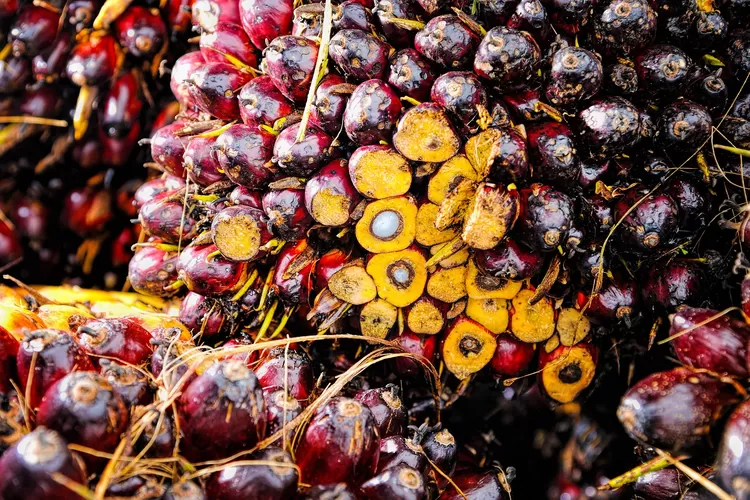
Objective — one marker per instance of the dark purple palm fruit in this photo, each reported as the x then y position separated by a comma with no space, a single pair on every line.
741,107
351,15
553,152
624,27
712,92
270,482
241,233
710,29
664,484
547,215
30,467
397,35
676,285
152,270
440,447
509,260
127,381
214,87
266,20
205,271
397,450
683,126
655,167
286,212
14,74
202,315
651,224
387,409
674,410
291,368
732,465
590,261
261,103
340,444
531,17
610,126
507,57
201,162
663,69
228,42
119,338
511,158
621,78
302,158
246,197
167,148
33,30
717,345
308,21
51,354
281,408
290,61
460,93
447,42
330,196
526,105
567,12
141,31
359,55
330,101
93,61
167,220
182,71
85,410
401,481
335,491
9,346
185,490
371,113
691,201
738,50
221,412
245,153
411,75
617,300
476,483
576,75
121,107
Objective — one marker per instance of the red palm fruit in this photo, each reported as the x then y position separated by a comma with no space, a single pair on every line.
401,481
29,468
507,56
8,350
50,65
168,220
261,103
440,447
359,55
185,490
395,34
328,264
336,491
266,20
371,113
85,410
286,212
167,149
732,465
244,152
207,14
745,294
246,197
308,21
291,61
526,105
152,270
331,97
30,217
718,345
81,14
512,357
121,107
201,161
178,14
330,197
33,30
228,42
141,31
202,315
10,246
411,75
127,381
396,450
295,288
340,444
209,274
553,150
290,368
647,410
272,482
447,42
617,299
14,74
567,371
93,61
422,345
221,412
117,338
651,224
678,284
475,483
182,71
8,9
305,157
86,210
509,260
460,93
54,354
386,408
547,215
281,408
241,233
41,101
214,87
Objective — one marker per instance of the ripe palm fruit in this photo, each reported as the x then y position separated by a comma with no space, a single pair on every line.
360,55
547,216
651,224
576,75
424,133
507,56
446,41
532,318
731,460
566,371
410,74
624,27
466,347
379,171
291,62
330,197
371,112
400,276
388,225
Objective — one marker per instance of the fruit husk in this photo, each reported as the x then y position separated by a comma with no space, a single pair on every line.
467,347
448,285
458,258
531,322
566,371
572,326
480,286
448,176
385,268
427,234
490,313
425,134
453,208
406,210
490,217
377,318
353,284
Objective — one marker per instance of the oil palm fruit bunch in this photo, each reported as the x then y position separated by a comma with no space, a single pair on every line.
80,84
